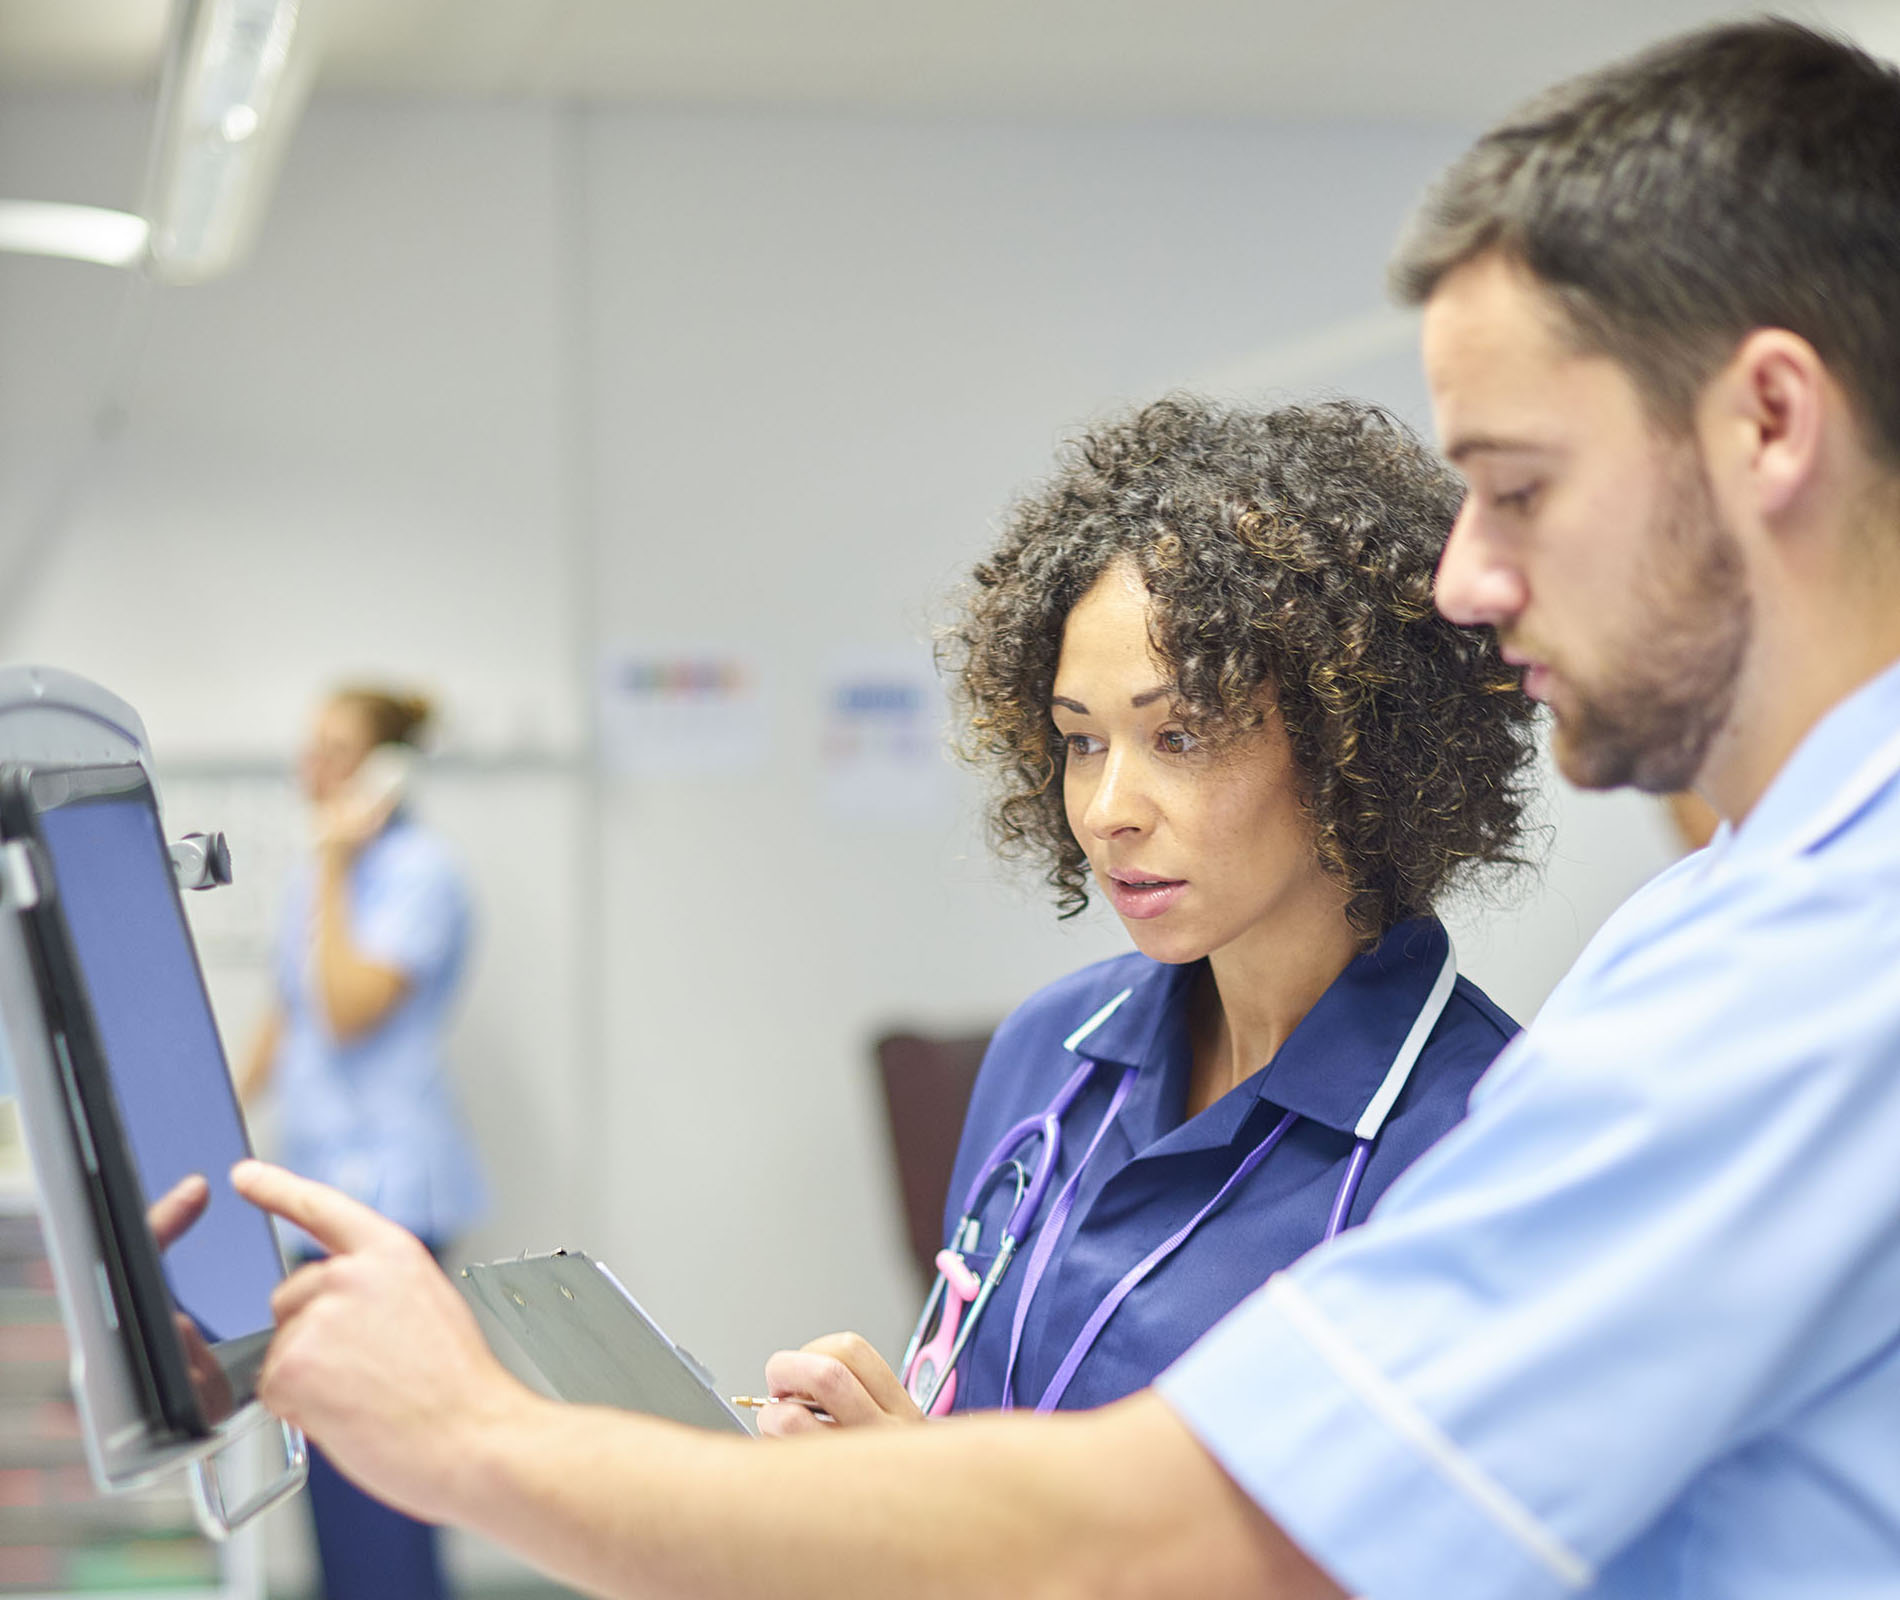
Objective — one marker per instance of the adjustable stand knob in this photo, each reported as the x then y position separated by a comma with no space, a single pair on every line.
201,861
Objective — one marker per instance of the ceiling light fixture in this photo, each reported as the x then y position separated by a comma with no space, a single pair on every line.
236,80
79,233
236,75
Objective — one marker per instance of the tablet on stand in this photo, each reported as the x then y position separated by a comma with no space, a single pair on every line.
124,1090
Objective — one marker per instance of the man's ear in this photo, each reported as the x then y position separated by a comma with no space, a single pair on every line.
1766,414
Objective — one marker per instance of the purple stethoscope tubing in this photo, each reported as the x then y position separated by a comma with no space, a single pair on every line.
1052,1232
1045,1126
1046,1129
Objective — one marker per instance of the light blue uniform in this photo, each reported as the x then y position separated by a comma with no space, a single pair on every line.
1632,1328
374,1117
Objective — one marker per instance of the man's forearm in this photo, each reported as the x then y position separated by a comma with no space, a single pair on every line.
1111,1503
381,1362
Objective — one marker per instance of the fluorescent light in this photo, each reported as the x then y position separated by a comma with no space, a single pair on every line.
237,78
80,233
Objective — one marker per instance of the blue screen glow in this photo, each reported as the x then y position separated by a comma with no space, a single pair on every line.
162,1052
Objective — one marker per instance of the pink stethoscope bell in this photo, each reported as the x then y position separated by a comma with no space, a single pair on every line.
960,1287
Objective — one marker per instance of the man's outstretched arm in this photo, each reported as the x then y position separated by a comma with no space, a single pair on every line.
381,1362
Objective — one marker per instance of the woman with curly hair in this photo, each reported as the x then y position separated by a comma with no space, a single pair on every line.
1204,668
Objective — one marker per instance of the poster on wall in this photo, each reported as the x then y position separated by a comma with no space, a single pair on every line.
682,711
883,754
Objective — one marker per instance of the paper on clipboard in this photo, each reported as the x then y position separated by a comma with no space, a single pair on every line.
591,1343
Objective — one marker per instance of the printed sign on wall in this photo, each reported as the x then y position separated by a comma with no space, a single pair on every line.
682,712
882,749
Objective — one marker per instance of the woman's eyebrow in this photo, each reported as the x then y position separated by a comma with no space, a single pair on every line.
1146,698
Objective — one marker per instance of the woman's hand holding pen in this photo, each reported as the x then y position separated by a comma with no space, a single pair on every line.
841,1375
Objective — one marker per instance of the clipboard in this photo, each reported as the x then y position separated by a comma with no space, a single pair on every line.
590,1342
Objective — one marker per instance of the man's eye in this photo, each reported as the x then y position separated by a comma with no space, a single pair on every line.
1516,499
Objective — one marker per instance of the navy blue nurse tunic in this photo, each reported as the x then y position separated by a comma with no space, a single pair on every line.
1156,1168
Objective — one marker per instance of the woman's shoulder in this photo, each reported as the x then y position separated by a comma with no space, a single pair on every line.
409,850
1472,1032
1409,961
1469,1037
1479,1011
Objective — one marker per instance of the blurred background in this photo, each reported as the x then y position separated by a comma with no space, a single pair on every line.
637,377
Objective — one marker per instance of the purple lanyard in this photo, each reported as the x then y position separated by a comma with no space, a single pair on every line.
1051,1231
1092,1329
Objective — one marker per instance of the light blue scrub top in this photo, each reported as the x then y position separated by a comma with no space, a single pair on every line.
1633,1327
374,1117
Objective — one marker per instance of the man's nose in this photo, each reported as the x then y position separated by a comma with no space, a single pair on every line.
1475,586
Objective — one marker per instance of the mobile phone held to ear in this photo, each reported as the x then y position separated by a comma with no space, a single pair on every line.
381,782
147,1087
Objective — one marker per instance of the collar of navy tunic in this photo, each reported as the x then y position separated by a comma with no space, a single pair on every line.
1328,1069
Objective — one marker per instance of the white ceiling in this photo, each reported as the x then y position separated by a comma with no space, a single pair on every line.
1451,60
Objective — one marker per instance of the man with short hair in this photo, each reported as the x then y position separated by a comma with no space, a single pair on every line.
1633,1329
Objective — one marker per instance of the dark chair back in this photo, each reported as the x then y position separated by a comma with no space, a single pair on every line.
927,1084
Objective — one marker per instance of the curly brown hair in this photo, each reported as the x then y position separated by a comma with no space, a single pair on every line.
1289,556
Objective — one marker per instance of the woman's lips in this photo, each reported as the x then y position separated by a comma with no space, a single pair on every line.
1141,898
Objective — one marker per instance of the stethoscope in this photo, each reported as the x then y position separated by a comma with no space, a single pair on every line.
1024,1162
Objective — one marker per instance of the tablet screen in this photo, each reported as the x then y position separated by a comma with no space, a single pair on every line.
162,1054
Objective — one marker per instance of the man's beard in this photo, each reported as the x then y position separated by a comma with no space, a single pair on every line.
1681,653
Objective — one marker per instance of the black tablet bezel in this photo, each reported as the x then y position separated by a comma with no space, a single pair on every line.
143,1301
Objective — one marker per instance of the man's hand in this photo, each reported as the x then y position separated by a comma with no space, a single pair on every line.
842,1375
376,1356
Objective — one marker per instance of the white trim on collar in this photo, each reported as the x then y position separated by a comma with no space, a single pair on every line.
1380,1105
1097,1020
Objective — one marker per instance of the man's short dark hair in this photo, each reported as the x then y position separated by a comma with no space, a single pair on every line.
1741,177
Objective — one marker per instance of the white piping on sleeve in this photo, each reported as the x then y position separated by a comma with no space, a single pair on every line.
1396,1409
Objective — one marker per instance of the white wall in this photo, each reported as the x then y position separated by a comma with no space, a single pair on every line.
507,382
